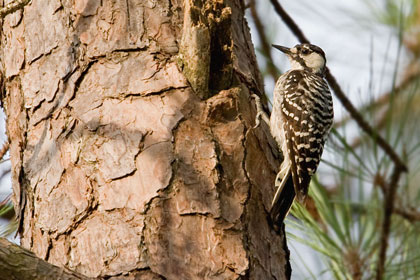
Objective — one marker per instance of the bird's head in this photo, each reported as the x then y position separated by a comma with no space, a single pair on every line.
305,57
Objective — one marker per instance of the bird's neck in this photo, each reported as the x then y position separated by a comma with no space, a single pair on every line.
300,65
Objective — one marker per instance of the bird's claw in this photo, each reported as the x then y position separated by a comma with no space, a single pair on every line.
260,112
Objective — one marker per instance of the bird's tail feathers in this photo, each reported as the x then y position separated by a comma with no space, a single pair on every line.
282,201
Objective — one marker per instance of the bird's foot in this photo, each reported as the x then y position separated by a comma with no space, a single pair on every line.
261,115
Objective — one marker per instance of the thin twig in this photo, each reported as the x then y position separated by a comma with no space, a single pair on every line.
5,201
4,149
265,45
378,124
289,21
13,7
367,128
389,202
410,215
383,99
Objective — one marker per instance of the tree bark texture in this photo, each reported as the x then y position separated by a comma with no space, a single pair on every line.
132,143
17,263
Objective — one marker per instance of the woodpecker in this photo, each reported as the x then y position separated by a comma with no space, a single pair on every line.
300,122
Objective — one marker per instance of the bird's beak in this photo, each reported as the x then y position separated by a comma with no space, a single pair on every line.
283,49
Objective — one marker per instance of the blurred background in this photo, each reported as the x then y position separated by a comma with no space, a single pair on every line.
373,50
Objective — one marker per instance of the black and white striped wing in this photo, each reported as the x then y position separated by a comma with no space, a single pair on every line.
307,114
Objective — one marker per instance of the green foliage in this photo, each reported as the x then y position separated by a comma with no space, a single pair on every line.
346,230
390,11
347,235
7,228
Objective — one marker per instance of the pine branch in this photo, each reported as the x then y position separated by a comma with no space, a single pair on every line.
265,45
389,203
410,215
13,7
4,149
384,98
289,21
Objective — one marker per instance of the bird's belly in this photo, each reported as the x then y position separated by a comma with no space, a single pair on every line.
277,132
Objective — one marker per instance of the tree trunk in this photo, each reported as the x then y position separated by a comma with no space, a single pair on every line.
132,143
20,264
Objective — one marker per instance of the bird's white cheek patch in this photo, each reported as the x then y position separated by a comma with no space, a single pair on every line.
315,61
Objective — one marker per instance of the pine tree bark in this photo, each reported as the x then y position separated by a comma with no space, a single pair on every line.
20,264
132,143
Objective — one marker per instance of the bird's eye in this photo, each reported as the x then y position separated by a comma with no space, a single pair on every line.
305,51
